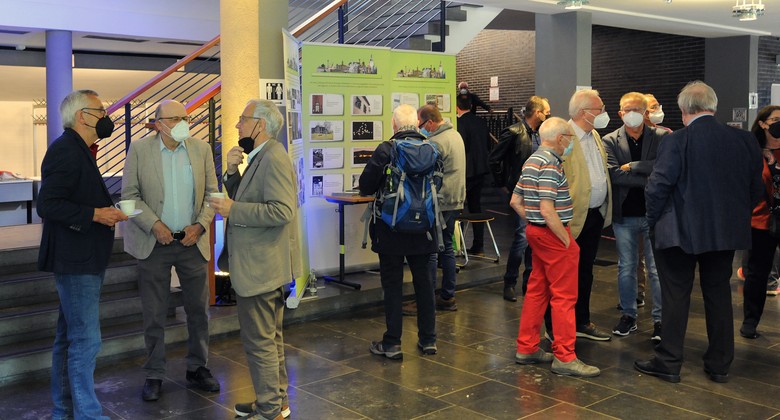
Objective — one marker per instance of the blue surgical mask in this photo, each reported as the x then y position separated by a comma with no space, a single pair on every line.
568,148
425,132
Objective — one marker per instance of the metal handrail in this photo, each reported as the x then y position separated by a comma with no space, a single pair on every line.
308,23
158,78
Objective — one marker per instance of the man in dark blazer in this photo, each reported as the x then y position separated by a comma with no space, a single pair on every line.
474,131
705,183
631,151
78,234
262,250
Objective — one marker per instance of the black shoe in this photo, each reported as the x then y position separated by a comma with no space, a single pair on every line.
446,304
625,326
509,294
152,390
720,378
656,337
427,349
590,332
748,331
203,380
640,299
648,368
476,250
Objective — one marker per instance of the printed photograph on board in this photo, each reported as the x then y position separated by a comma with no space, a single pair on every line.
366,130
441,100
327,104
366,104
361,155
326,130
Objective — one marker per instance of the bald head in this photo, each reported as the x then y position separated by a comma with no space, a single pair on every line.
556,134
170,108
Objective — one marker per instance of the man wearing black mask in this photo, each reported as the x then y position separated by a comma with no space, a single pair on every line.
78,233
262,255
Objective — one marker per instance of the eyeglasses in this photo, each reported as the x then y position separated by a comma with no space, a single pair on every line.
176,120
422,124
602,109
102,112
627,110
244,118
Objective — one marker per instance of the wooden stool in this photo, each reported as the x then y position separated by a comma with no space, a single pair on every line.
467,219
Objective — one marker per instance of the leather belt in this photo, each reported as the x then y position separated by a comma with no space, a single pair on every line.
178,235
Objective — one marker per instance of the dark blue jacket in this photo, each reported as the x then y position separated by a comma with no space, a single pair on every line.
704,185
71,188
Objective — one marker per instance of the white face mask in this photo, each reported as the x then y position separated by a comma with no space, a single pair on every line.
600,121
180,131
657,117
633,119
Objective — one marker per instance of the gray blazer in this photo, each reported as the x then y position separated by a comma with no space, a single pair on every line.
143,181
619,153
262,248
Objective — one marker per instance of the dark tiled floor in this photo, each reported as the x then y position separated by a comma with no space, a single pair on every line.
332,374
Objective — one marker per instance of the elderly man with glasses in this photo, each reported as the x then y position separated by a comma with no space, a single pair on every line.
169,175
261,250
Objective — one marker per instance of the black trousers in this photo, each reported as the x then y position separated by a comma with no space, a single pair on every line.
759,264
676,271
474,204
588,240
391,271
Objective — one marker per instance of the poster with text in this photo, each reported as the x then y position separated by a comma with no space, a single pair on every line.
366,104
367,130
327,158
405,98
326,184
441,100
361,155
332,130
327,104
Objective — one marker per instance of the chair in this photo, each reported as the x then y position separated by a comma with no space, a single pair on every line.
465,220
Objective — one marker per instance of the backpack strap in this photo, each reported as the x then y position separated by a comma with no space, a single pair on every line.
437,216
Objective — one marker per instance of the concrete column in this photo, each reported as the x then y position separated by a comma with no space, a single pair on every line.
734,75
59,78
251,47
563,57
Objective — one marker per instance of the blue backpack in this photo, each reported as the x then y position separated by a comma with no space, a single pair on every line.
409,200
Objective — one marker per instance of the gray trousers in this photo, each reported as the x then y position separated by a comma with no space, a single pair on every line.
260,319
154,284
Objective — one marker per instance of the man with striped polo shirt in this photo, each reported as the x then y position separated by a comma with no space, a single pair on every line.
542,198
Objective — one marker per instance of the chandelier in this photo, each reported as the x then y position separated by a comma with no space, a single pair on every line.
745,11
572,4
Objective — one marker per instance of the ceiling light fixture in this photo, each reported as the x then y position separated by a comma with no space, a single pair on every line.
572,4
745,11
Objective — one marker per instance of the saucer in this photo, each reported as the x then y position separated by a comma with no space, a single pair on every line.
135,213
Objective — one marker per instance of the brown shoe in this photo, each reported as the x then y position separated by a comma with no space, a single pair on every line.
410,309
446,304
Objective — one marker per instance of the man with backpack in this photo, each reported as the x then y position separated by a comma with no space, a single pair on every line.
506,160
400,228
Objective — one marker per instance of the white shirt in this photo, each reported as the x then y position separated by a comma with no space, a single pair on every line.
596,170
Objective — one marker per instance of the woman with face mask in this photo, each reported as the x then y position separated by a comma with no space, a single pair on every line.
765,222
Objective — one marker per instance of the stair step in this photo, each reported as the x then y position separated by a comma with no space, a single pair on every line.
26,289
40,320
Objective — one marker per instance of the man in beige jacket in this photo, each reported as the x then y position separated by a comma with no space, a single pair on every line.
169,175
262,250
591,194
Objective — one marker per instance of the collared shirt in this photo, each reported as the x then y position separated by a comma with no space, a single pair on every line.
543,179
536,141
249,157
179,187
634,204
596,170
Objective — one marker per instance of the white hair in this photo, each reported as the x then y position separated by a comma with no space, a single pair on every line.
268,111
697,97
552,127
75,101
405,115
581,100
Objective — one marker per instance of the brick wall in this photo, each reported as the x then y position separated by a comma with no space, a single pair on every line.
623,60
506,54
626,60
768,70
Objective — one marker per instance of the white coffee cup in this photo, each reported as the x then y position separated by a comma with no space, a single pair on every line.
127,206
217,194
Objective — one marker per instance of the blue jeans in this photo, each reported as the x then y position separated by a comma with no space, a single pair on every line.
516,253
626,237
76,346
447,258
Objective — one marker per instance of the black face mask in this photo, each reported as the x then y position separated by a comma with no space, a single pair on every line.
104,127
246,143
774,130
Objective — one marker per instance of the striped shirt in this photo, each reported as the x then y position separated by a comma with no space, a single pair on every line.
543,179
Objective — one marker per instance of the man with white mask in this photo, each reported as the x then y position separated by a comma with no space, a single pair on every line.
655,113
591,195
631,151
169,175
